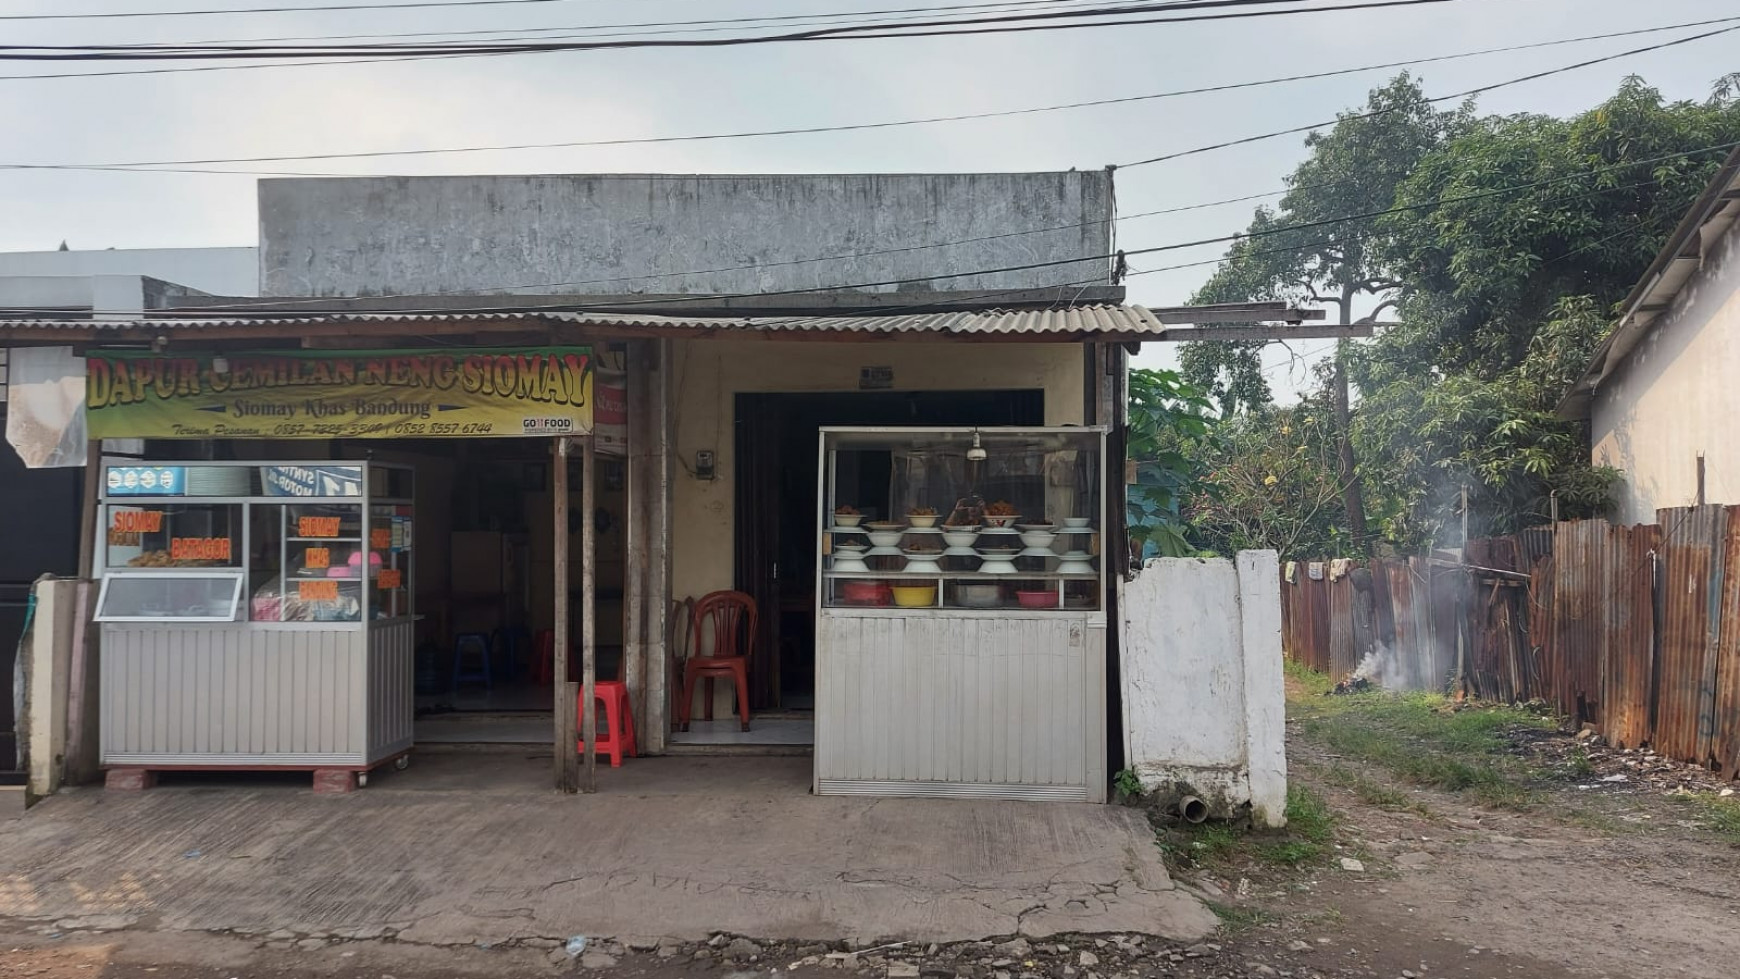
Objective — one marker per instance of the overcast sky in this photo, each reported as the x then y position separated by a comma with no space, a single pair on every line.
594,95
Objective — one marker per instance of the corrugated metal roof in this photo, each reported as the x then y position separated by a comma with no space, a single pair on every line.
1075,321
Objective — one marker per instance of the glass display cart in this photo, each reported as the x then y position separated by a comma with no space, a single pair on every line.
960,645
256,615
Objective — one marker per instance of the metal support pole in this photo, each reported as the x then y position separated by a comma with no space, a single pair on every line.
567,762
588,618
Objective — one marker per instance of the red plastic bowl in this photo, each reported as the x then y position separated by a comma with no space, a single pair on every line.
865,592
1037,599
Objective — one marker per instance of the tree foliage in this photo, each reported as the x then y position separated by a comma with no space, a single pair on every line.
1507,243
1168,432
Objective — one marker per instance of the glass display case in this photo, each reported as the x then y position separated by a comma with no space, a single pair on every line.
966,519
256,542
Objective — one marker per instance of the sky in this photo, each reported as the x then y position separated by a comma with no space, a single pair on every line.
632,93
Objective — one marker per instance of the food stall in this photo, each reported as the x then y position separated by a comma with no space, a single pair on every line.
256,615
961,624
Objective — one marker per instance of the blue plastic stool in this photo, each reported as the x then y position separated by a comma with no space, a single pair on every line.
480,642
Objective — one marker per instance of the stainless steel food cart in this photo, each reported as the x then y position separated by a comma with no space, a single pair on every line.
256,615
961,624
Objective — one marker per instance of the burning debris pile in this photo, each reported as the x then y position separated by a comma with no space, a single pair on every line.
1352,683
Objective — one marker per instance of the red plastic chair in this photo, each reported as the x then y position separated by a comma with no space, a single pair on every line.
723,637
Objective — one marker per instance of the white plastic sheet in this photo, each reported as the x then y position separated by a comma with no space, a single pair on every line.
45,410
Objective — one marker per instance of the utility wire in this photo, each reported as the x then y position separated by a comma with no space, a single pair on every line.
1440,98
154,165
1053,263
999,24
698,26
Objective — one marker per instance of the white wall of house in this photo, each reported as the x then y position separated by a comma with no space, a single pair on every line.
1203,694
707,376
219,271
1676,395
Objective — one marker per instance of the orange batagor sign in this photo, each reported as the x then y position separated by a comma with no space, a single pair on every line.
381,538
317,526
314,394
199,549
137,522
391,578
317,591
317,558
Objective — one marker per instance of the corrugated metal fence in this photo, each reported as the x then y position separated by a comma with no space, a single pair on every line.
1633,630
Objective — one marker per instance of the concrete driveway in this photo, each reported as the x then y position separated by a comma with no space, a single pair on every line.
473,848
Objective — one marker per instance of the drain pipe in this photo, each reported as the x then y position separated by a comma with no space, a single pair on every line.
1193,810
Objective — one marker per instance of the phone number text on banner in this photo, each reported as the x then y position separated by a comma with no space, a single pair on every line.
479,393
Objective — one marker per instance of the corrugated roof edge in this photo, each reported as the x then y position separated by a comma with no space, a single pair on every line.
1092,320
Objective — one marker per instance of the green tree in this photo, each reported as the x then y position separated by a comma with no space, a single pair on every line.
1510,240
1271,483
1507,295
1301,252
1168,431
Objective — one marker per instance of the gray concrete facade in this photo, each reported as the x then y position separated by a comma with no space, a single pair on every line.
607,234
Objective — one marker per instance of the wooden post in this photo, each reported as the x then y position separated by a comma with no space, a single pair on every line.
567,761
588,617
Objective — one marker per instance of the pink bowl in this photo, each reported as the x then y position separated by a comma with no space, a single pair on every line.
1037,599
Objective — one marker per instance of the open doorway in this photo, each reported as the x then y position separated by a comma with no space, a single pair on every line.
776,452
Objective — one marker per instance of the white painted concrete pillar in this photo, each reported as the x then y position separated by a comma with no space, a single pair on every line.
1265,686
47,657
1204,704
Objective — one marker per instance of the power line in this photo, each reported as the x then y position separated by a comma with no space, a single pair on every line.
224,11
155,165
1441,98
502,33
955,27
1028,266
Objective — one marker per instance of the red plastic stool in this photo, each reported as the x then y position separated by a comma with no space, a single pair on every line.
618,736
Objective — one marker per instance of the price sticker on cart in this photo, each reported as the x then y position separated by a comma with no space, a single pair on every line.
317,591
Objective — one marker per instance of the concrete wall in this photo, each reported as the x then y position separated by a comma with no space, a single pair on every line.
616,234
1677,395
707,375
219,271
1203,695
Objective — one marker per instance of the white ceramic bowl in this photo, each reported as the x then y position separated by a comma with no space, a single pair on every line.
848,519
1076,522
885,538
1007,520
1038,538
960,538
922,519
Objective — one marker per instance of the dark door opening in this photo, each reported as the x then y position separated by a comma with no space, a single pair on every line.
776,448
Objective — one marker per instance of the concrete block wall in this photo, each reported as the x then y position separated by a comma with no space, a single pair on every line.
1203,694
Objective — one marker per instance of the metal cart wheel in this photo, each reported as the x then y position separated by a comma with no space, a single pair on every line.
402,762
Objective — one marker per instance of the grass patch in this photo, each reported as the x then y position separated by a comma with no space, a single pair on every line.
1310,831
1308,838
1234,920
1719,816
1372,792
1423,738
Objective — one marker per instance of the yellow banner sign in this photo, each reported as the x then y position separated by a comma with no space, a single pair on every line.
296,394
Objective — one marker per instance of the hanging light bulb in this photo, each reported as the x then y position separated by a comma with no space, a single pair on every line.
977,452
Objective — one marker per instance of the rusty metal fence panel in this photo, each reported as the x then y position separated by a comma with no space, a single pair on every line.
1632,630
1694,546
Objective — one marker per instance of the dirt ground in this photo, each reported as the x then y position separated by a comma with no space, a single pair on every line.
1601,874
